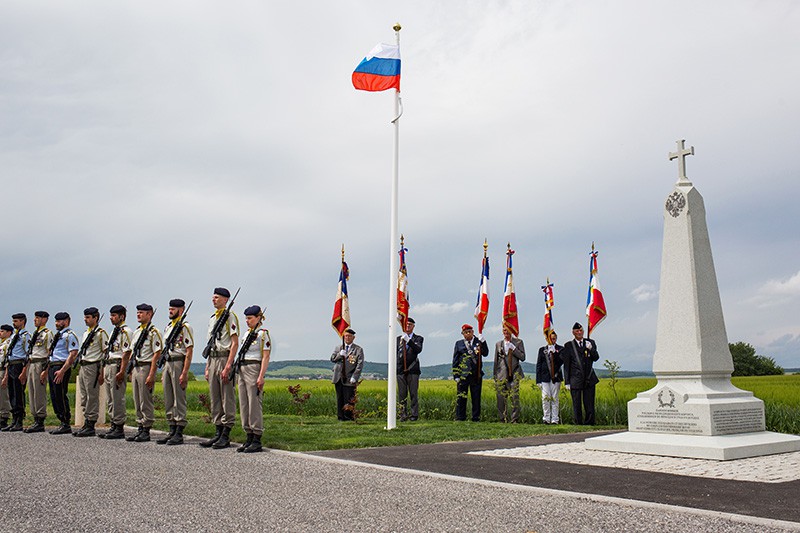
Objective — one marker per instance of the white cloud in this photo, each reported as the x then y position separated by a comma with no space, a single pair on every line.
789,287
644,293
438,308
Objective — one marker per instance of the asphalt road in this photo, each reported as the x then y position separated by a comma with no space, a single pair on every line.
66,484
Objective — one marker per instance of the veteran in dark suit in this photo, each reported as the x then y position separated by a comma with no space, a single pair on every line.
348,359
409,346
468,372
508,356
579,377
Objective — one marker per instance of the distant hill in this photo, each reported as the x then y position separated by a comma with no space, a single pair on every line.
322,368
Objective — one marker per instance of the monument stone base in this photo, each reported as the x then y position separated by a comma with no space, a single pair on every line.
717,447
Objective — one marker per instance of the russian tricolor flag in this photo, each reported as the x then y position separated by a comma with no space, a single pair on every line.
380,70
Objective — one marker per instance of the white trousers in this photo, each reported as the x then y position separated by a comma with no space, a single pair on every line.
550,401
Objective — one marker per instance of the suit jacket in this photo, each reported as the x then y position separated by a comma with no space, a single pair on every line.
543,366
507,365
578,371
347,366
467,359
412,351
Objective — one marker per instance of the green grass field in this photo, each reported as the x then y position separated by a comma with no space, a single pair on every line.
318,428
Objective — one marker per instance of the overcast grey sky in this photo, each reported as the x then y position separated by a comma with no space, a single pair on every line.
152,150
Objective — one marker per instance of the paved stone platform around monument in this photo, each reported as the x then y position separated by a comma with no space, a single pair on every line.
778,468
753,487
62,483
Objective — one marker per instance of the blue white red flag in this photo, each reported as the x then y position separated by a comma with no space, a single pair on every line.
380,70
403,304
595,306
549,303
510,318
482,305
341,308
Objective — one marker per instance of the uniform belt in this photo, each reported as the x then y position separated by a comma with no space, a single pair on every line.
113,361
16,362
176,358
219,353
142,363
250,362
38,360
87,363
56,364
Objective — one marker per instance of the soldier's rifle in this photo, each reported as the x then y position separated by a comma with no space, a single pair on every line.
137,348
86,343
245,347
216,331
169,343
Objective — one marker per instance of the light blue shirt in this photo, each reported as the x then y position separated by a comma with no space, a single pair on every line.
67,343
20,351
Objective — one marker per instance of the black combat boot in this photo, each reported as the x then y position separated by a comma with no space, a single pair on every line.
172,429
144,436
82,428
63,429
255,445
17,425
246,443
117,432
3,423
36,427
177,438
224,440
213,440
110,430
132,438
87,430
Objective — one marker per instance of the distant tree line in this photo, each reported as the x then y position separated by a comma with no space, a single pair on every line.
747,363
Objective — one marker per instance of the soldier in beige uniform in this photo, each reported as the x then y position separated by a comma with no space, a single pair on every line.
219,368
114,380
39,352
175,375
252,365
5,405
90,376
147,346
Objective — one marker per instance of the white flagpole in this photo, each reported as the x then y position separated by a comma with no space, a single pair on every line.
391,400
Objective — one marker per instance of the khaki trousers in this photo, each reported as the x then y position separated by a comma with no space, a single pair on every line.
5,404
174,395
90,391
250,406
142,396
115,394
223,395
37,391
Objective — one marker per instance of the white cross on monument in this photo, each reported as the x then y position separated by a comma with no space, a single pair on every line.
680,155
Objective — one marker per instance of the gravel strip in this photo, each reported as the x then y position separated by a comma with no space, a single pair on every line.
65,483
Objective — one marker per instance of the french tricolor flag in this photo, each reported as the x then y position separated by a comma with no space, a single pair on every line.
380,70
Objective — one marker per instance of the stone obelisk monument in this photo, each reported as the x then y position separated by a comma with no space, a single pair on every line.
694,410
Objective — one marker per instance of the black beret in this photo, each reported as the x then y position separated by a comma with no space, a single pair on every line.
61,315
577,326
222,291
177,302
411,320
41,314
19,316
6,327
118,310
91,311
253,310
350,331
144,307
